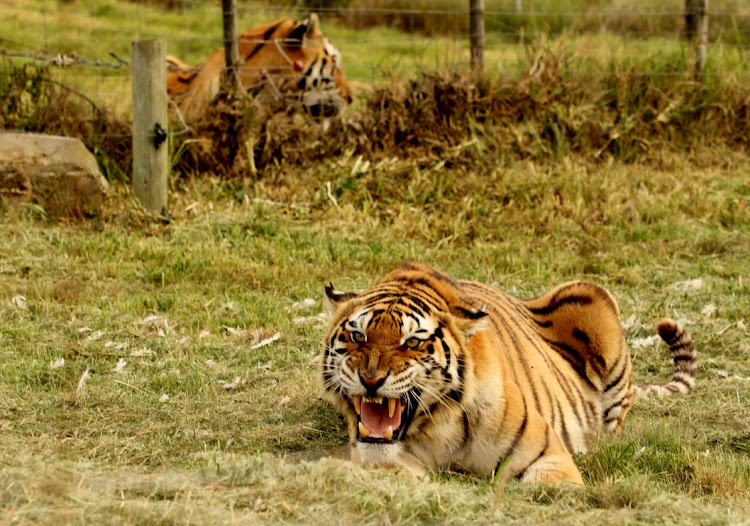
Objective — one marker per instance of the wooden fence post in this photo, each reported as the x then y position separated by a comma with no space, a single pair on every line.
476,29
696,29
150,124
231,50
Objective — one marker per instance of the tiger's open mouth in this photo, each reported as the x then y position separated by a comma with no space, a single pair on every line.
382,419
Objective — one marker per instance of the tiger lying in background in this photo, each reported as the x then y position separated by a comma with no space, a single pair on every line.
432,373
284,59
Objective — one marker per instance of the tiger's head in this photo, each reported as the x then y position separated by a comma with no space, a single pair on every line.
284,58
397,351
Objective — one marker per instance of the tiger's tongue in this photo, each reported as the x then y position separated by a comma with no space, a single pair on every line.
375,417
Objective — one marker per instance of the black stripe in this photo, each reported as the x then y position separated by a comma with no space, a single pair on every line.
565,435
266,36
516,436
297,34
467,428
616,380
579,334
458,393
447,351
529,373
611,407
541,453
570,300
571,356
413,308
573,400
420,302
682,358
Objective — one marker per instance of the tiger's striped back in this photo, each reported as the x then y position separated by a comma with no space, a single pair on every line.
433,372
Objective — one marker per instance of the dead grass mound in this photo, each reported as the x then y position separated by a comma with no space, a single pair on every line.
546,112
549,111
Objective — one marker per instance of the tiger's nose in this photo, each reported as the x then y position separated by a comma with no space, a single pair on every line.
372,380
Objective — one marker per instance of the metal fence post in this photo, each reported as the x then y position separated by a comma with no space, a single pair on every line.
150,124
476,29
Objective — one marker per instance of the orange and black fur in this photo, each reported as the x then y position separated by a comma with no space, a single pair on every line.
433,372
285,59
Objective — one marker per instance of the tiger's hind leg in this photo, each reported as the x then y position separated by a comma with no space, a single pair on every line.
581,321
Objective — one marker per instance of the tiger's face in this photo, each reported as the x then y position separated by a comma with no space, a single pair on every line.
297,58
388,364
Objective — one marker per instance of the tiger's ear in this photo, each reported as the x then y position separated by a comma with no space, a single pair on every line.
335,298
469,321
308,27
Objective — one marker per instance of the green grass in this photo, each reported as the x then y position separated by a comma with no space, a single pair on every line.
226,273
162,441
94,29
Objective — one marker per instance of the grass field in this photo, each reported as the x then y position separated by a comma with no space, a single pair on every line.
165,373
185,419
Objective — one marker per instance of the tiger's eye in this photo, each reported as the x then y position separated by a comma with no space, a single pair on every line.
359,337
413,343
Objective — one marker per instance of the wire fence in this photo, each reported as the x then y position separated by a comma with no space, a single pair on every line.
87,43
96,34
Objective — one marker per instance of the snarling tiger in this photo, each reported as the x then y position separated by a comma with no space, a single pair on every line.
282,61
433,373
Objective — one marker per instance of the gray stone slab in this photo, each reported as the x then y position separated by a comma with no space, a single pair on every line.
57,173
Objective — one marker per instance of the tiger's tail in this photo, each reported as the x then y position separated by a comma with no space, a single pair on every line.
685,359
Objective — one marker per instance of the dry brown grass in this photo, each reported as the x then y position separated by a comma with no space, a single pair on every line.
545,113
551,110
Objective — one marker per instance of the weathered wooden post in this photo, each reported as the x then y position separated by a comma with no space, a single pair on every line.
476,30
696,29
150,124
231,50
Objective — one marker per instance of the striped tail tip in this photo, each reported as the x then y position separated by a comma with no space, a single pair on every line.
684,356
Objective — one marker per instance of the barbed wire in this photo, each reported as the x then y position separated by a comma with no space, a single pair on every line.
508,37
65,60
591,70
586,12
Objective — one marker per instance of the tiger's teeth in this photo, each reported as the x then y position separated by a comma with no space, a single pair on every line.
391,407
358,404
379,399
389,433
364,432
